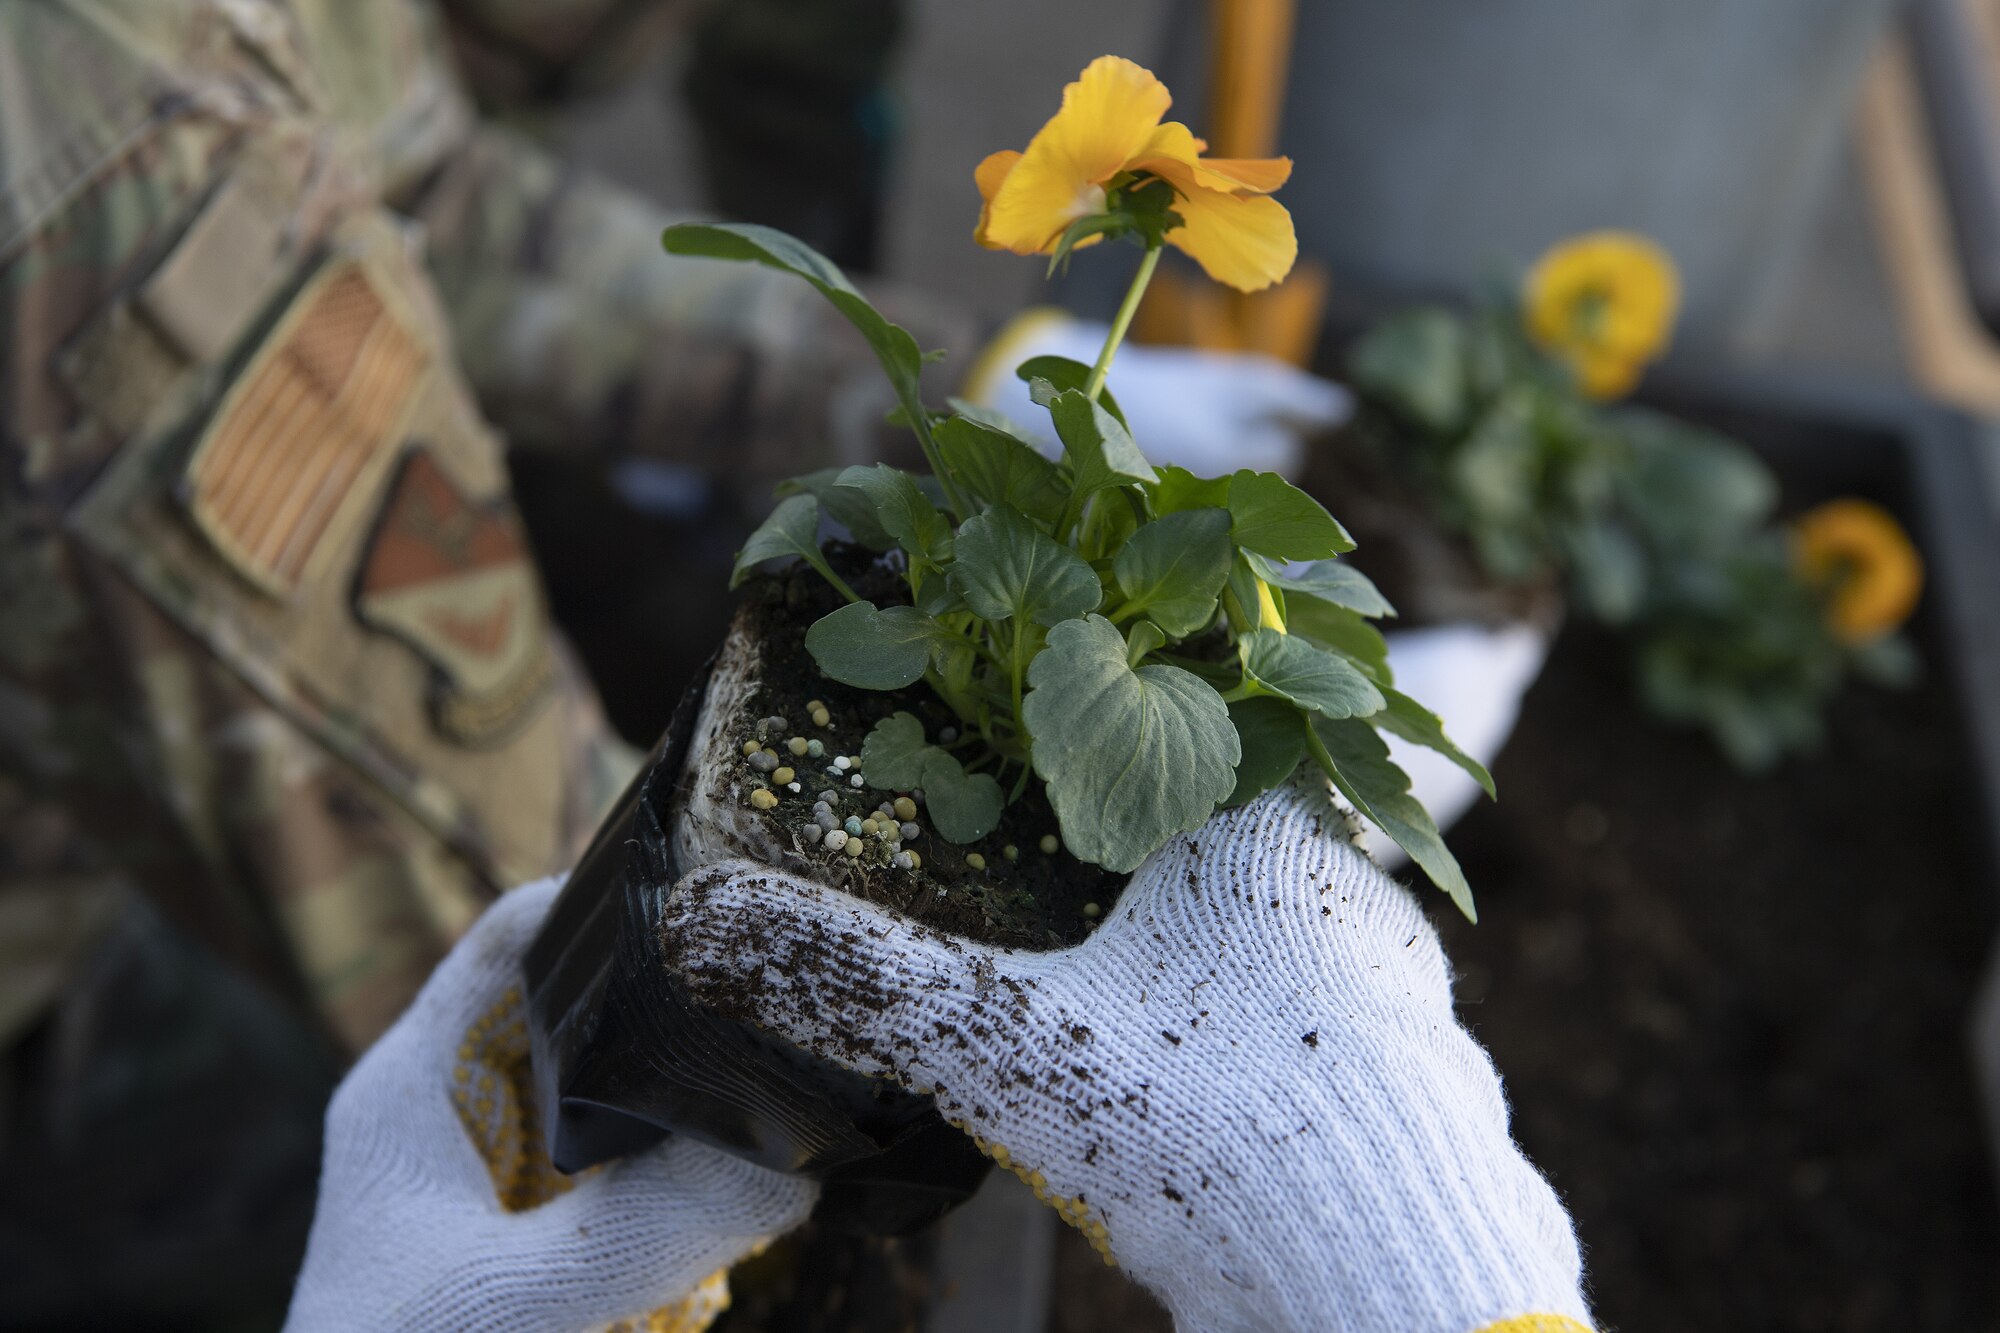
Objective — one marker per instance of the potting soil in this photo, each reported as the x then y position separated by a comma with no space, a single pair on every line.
1031,899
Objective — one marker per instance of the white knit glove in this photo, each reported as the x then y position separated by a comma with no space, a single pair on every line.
438,1208
1474,677
1209,412
1248,1086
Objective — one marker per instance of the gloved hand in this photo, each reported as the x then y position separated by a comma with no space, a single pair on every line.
1209,412
438,1207
1248,1086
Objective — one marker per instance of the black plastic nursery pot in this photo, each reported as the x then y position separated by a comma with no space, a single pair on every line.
624,1057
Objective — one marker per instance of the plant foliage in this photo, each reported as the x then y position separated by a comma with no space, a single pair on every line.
1136,638
1661,530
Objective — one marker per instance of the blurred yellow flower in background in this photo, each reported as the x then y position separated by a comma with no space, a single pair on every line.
1109,128
1866,563
1603,302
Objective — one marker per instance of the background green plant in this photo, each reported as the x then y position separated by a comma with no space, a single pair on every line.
1149,644
1659,529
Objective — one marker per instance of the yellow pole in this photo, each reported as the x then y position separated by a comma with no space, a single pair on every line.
1252,48
1250,57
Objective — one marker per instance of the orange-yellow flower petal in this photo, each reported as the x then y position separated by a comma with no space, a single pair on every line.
1107,116
1604,375
988,175
1173,151
1861,555
1243,240
1253,175
1605,302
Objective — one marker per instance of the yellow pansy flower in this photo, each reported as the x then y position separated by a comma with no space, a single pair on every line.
1604,302
1110,125
1865,561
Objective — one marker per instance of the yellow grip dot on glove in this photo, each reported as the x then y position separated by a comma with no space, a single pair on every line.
493,1092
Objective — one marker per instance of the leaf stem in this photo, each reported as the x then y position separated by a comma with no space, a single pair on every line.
1016,667
818,562
1021,783
1095,384
920,426
1317,749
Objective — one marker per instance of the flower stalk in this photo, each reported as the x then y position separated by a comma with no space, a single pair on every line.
1126,310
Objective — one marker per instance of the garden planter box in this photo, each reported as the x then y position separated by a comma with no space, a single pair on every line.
1731,1011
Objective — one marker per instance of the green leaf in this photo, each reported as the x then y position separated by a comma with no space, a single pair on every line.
1272,733
1407,718
1329,580
1415,362
1494,470
903,510
1275,518
1357,760
1180,489
1341,630
894,751
940,598
1890,661
1688,487
1006,566
1308,675
870,649
744,241
1001,469
844,507
963,807
791,530
1100,450
1130,757
1064,373
985,416
1609,570
1142,638
1174,567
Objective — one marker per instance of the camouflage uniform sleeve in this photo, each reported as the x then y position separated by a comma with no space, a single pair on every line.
216,353
578,331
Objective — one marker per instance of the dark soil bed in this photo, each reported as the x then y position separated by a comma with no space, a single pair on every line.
1730,1013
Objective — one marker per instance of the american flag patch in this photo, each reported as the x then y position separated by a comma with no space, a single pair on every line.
301,426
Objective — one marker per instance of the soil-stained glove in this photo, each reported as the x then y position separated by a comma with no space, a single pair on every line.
438,1207
1247,1086
1209,412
